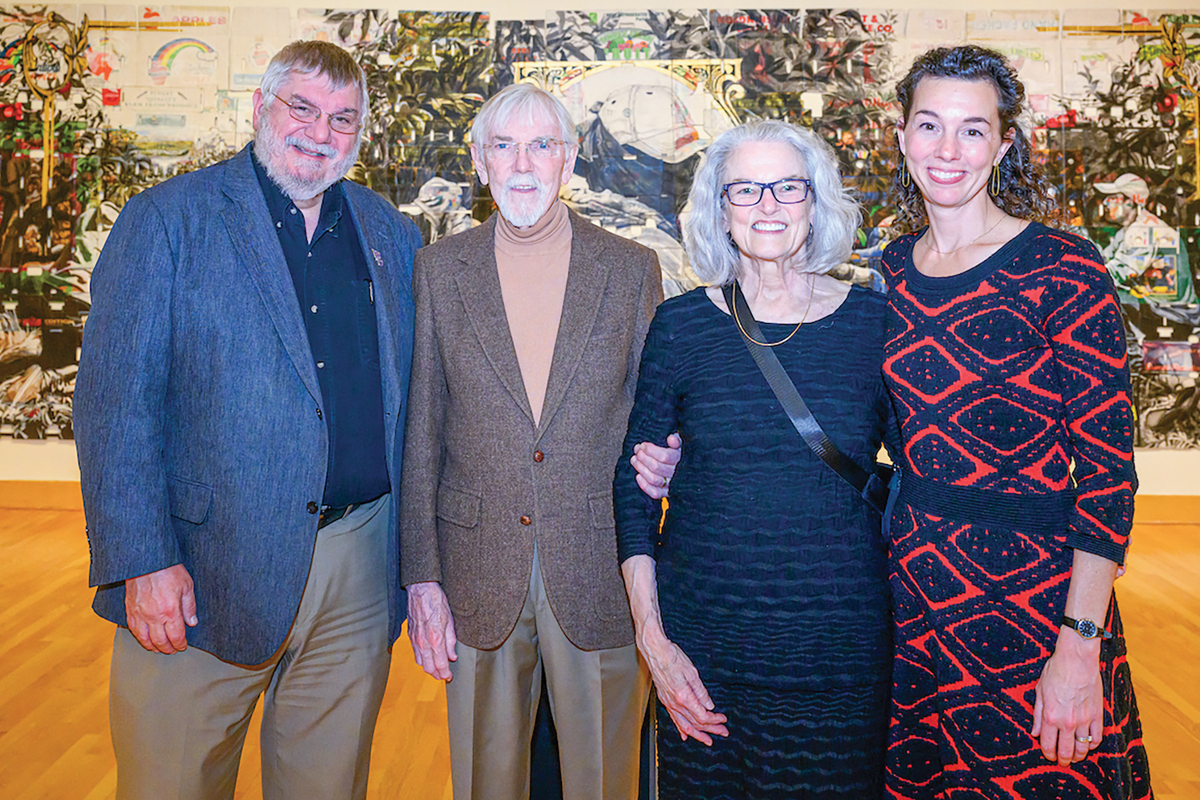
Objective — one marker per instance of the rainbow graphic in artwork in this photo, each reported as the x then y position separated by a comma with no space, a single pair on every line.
10,60
160,62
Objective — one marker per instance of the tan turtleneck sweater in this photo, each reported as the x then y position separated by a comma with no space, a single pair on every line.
533,266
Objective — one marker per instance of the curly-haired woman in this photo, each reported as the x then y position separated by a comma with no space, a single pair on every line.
1005,360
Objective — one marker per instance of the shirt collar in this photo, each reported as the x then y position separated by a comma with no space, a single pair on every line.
278,203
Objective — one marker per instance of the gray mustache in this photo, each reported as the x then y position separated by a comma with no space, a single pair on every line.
326,150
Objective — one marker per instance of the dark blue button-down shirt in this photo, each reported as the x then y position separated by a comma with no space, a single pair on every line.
337,301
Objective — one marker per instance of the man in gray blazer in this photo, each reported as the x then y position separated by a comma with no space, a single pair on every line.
239,415
529,330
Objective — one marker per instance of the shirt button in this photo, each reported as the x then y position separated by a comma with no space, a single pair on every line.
292,209
320,365
313,507
279,224
538,455
525,520
313,309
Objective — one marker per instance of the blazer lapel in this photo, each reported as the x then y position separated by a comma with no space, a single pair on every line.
478,281
388,294
586,278
249,225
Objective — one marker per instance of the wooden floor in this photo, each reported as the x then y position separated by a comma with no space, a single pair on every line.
54,656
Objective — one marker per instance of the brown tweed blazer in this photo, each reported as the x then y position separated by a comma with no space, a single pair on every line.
481,481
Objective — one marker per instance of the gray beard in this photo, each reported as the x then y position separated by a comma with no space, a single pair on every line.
535,210
271,149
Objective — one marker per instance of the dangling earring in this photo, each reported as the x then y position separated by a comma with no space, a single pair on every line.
905,178
994,183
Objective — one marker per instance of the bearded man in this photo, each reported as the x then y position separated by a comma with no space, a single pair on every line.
529,331
239,413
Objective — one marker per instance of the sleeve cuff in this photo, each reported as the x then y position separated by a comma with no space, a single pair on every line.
1088,544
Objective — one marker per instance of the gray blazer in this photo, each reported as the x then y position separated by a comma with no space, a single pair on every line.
198,416
482,480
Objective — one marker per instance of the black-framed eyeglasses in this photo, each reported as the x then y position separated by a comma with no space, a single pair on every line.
538,149
341,122
784,190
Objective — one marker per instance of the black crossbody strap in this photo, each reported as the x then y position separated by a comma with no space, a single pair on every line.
789,398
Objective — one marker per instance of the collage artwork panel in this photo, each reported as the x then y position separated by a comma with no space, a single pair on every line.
98,102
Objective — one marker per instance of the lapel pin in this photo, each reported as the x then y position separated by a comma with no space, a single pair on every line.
378,257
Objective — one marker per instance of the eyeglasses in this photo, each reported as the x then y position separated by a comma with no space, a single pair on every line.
784,190
538,149
340,122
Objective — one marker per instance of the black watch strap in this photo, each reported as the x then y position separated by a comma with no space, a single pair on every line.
1086,628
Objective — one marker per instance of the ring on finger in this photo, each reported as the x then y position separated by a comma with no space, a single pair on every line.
1083,740
664,482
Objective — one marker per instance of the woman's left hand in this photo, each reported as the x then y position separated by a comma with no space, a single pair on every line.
1068,714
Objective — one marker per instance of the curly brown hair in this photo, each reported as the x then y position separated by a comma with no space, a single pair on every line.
1024,190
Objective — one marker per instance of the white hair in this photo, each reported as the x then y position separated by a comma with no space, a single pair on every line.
835,214
521,99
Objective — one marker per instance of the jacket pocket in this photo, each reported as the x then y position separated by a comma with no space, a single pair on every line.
458,516
600,509
189,501
458,508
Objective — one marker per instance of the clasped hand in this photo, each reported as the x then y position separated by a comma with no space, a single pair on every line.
654,466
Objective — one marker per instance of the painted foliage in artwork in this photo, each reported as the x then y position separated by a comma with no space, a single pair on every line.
99,102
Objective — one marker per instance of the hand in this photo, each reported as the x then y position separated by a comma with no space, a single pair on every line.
682,692
655,465
157,606
431,629
1068,713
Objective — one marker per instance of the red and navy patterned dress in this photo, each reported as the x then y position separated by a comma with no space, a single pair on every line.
1001,377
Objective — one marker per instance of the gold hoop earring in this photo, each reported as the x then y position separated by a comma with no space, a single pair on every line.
994,184
905,178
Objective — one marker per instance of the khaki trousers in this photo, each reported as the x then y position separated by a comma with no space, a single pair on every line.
598,700
179,721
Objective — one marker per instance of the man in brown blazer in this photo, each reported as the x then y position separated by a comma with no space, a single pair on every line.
529,330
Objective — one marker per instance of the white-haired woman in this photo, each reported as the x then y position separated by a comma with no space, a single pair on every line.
762,607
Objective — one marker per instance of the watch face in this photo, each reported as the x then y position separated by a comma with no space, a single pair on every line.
1086,628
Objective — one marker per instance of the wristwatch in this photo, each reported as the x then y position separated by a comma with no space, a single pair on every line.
1086,628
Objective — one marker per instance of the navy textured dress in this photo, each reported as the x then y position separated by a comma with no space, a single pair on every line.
771,570
1003,376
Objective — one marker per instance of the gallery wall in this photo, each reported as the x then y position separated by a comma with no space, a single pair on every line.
134,95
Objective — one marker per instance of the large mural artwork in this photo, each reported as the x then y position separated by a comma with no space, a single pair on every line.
99,102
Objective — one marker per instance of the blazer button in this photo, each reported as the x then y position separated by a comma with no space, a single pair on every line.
525,520
538,455
313,507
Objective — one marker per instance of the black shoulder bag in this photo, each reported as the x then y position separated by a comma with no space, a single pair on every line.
874,487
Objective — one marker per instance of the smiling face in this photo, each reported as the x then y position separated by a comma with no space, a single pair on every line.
305,158
951,139
524,185
769,231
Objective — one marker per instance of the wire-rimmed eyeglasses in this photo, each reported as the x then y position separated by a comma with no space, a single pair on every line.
538,149
784,190
340,122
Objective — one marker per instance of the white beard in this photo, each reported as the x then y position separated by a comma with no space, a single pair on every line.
525,210
271,149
